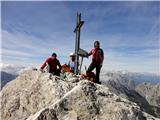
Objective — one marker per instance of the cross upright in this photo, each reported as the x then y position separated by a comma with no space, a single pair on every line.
77,43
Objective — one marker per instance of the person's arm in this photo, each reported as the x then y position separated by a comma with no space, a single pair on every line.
102,56
90,53
44,64
59,65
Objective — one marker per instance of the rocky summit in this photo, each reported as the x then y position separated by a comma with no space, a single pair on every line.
34,95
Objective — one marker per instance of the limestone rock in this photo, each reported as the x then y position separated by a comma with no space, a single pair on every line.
40,96
88,101
30,92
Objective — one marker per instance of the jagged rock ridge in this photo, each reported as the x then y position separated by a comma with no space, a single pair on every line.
40,96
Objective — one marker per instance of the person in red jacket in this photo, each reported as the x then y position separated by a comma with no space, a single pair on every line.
97,60
53,63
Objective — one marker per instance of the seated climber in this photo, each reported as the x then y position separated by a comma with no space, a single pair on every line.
52,62
71,62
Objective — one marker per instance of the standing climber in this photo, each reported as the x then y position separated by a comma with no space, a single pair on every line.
97,60
52,62
71,62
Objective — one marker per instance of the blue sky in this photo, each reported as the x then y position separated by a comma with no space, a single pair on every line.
129,32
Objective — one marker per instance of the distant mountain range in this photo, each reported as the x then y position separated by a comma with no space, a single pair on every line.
6,77
9,72
11,68
129,79
151,92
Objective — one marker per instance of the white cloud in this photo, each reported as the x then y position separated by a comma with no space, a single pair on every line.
33,45
7,52
23,47
137,61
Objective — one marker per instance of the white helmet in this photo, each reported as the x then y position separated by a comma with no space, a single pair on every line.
72,54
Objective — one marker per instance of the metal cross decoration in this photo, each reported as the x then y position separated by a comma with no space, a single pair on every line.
77,43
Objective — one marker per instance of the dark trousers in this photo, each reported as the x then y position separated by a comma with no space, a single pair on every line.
98,69
56,72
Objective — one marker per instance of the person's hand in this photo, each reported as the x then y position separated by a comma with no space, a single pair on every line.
101,65
88,55
62,71
41,70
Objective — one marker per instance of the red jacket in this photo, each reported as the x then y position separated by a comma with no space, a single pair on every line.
97,56
53,63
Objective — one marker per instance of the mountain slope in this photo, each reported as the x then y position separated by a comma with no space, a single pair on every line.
6,77
39,96
88,101
9,72
150,92
130,79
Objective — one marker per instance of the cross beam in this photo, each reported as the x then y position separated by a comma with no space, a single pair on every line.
77,43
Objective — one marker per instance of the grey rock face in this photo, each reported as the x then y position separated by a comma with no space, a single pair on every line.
130,79
88,101
40,96
151,92
5,78
120,78
133,96
30,92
